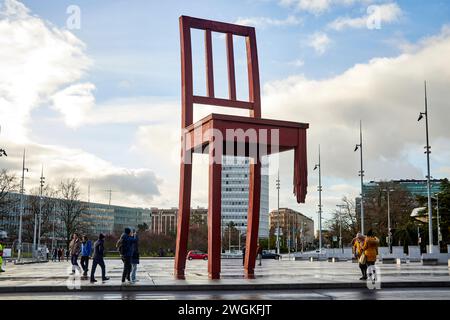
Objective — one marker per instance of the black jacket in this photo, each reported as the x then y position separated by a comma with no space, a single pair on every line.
99,249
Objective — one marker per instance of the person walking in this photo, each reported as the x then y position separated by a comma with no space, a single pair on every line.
358,251
67,254
370,248
74,250
134,257
60,254
54,254
259,254
243,255
86,251
126,252
99,253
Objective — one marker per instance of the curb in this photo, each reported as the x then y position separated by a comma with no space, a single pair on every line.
223,287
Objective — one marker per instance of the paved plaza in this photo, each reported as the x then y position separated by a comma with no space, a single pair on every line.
286,277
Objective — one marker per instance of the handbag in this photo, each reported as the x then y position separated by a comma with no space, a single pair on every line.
362,259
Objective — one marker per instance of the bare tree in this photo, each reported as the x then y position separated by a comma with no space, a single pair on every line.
8,184
348,217
48,211
70,209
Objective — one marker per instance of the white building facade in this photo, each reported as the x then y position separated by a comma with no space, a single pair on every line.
235,184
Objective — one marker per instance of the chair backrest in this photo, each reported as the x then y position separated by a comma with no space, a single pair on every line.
188,97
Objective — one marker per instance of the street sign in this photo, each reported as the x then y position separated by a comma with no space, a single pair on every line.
335,238
281,232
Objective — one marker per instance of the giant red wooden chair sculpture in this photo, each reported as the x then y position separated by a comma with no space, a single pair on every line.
198,137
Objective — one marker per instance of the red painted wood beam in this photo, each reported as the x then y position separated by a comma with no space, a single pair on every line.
231,70
209,64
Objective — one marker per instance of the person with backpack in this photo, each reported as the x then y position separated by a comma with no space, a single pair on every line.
86,251
75,249
125,247
134,257
99,253
358,252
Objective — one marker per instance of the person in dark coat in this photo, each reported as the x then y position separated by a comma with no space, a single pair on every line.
243,255
60,254
125,246
134,257
99,253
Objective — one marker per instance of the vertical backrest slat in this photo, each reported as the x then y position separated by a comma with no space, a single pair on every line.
209,64
253,75
187,88
231,72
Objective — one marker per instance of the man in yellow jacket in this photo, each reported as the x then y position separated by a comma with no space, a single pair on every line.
357,249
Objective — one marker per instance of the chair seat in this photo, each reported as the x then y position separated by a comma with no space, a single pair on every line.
199,133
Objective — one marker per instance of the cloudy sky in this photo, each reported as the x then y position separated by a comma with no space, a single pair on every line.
98,98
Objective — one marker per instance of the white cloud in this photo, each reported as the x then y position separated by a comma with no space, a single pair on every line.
36,60
42,65
318,7
320,42
133,187
297,63
74,102
262,22
387,94
376,16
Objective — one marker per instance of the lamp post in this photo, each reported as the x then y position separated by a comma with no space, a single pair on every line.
389,218
42,181
427,152
278,214
361,174
340,206
319,188
438,219
22,204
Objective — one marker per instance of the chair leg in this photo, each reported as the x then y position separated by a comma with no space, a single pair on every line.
214,219
253,218
183,219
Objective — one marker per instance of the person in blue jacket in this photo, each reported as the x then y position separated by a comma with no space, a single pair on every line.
86,252
125,246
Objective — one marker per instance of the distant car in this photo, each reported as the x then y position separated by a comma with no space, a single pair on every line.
270,255
196,254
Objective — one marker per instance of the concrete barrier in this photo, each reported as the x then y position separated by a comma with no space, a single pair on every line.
414,254
436,249
390,259
435,258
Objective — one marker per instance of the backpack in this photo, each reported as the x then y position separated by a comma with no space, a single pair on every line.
120,247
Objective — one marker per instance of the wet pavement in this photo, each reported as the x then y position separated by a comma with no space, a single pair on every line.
154,273
333,294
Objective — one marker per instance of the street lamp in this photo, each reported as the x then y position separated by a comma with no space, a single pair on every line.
22,200
278,213
361,174
319,188
340,206
427,152
438,222
389,219
42,181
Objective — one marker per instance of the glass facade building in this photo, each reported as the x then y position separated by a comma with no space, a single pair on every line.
235,184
